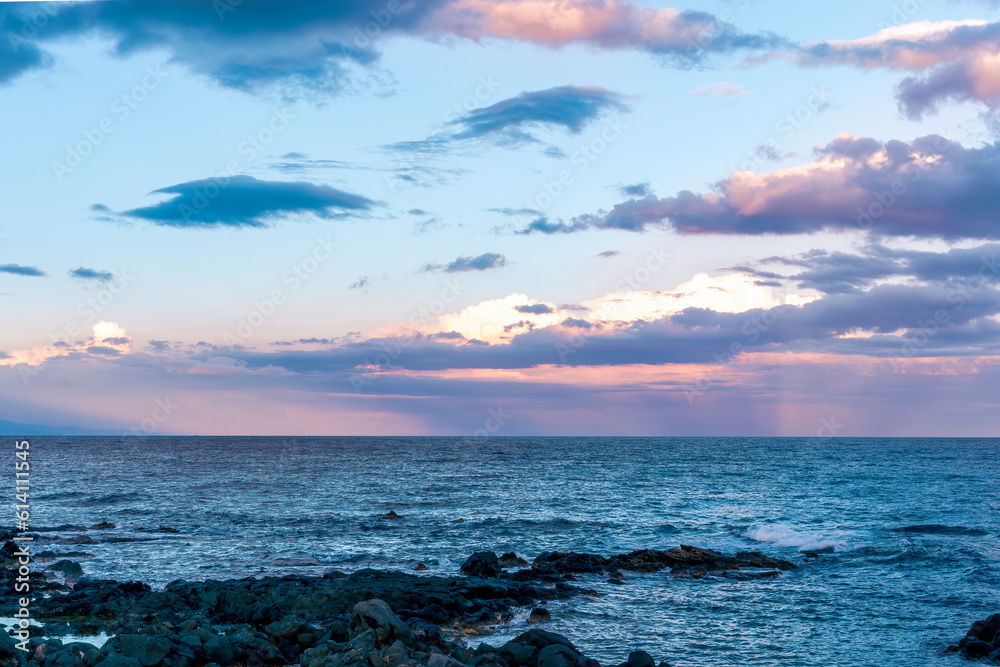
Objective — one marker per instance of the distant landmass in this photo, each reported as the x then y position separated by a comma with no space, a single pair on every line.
13,428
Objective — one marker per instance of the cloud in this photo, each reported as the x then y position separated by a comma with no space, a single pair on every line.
91,275
535,309
844,273
246,46
359,283
18,270
511,121
635,190
926,188
244,201
720,89
609,253
317,46
484,262
678,37
957,60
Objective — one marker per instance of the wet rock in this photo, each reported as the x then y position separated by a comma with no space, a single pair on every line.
538,615
119,660
511,559
378,617
10,655
558,655
482,564
67,567
391,514
519,654
104,525
975,648
145,649
640,659
420,567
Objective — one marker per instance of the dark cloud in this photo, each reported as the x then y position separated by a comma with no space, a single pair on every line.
359,283
635,190
18,270
245,45
842,273
514,212
534,309
929,188
510,122
91,275
484,262
609,253
244,201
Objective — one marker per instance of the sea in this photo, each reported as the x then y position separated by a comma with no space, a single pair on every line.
907,530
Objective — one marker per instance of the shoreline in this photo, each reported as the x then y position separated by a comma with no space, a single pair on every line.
369,617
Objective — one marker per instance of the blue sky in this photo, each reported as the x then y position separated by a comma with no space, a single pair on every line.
348,185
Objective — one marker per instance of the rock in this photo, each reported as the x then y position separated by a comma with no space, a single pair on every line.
482,564
289,626
459,521
420,567
994,656
519,654
119,660
67,567
558,655
441,660
616,581
147,650
640,659
10,655
377,616
976,648
391,514
104,525
540,639
538,615
511,559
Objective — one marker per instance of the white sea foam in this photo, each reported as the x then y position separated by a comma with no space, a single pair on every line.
806,540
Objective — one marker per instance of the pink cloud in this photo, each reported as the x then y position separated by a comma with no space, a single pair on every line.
604,24
957,60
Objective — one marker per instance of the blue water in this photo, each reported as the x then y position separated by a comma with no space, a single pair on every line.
876,596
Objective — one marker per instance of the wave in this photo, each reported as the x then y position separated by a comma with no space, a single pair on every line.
806,540
938,529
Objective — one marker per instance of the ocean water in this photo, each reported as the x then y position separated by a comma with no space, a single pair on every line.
878,595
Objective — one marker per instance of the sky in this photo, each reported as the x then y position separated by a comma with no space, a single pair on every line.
500,217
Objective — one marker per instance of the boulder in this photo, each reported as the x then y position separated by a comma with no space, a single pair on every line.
640,659
538,615
148,650
558,655
377,616
482,564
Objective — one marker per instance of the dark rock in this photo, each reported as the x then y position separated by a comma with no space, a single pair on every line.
420,567
616,581
482,564
10,655
67,567
147,650
538,615
104,525
119,660
391,514
640,659
511,559
540,639
519,654
976,648
377,616
558,655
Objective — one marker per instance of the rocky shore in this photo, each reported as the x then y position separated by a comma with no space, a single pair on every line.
981,641
366,618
